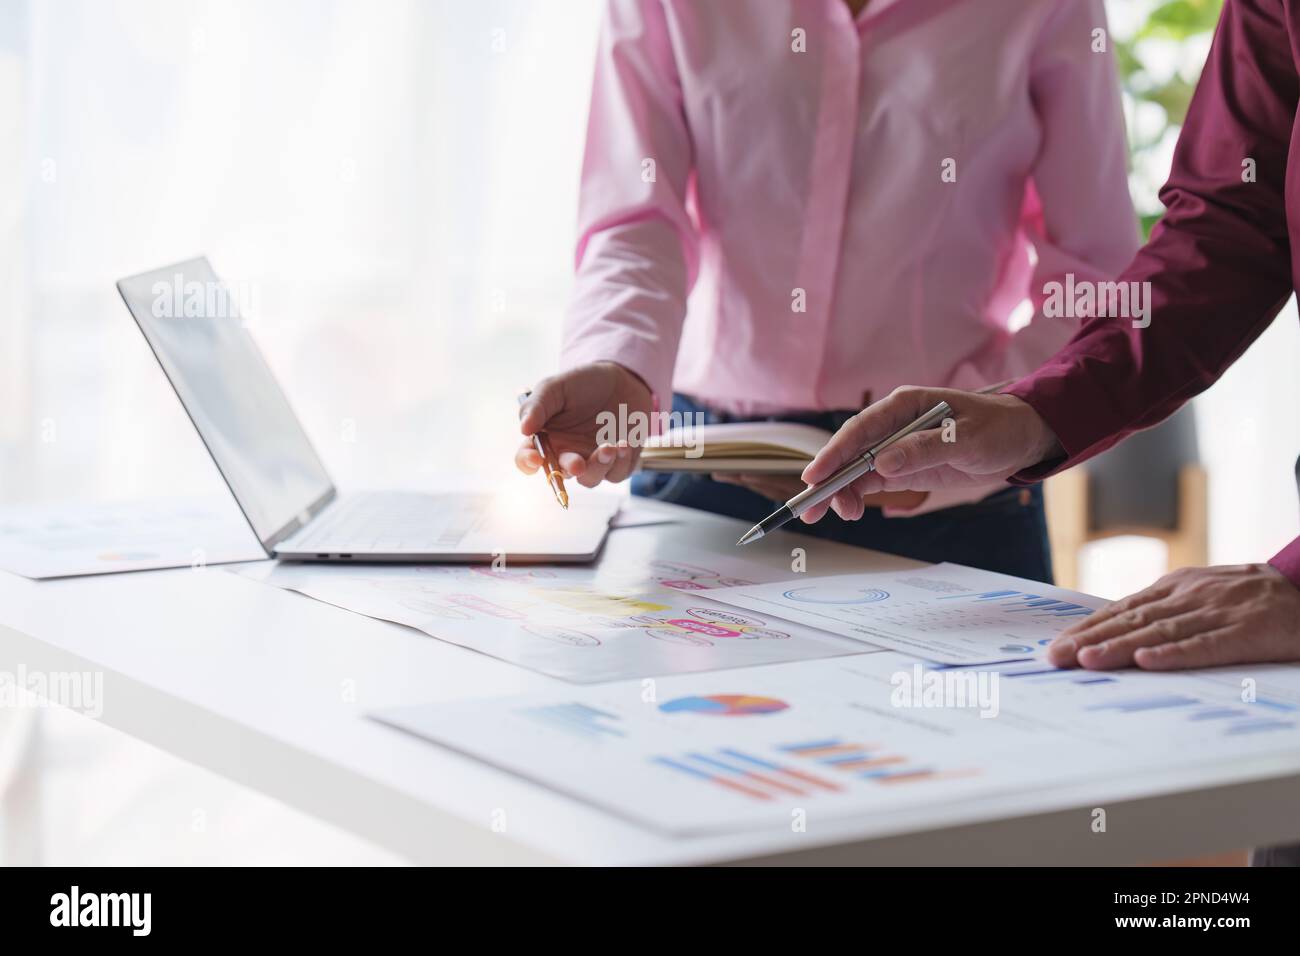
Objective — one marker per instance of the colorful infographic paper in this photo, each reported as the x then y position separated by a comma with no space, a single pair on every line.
797,743
628,616
947,613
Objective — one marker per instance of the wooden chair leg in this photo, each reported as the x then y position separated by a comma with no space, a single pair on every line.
1065,497
1189,545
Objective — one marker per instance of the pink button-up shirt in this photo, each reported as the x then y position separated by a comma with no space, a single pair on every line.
785,208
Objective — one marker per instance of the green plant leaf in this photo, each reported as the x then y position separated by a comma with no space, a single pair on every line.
1181,19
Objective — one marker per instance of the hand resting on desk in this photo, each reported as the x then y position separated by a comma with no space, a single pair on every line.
1194,617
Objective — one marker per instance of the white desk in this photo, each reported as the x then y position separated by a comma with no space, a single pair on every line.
252,682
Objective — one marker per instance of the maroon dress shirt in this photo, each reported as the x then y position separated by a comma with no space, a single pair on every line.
1220,264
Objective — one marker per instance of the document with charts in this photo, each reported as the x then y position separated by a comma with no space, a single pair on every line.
634,614
856,736
947,613
105,537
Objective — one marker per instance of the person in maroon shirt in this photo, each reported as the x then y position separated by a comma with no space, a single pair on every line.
1219,267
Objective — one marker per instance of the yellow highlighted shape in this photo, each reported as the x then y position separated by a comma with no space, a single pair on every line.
591,602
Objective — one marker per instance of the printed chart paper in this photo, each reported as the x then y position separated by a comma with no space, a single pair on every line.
946,613
849,737
65,540
623,618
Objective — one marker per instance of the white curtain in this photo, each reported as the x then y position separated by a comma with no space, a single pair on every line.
395,181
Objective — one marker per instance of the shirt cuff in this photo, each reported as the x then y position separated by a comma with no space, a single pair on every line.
1287,562
1057,404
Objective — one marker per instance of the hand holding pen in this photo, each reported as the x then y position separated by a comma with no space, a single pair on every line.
917,439
572,409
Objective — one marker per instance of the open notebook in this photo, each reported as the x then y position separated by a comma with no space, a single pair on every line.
771,447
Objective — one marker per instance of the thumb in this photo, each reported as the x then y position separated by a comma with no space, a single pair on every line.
544,403
917,452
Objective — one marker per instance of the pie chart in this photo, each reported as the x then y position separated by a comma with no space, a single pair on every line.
724,705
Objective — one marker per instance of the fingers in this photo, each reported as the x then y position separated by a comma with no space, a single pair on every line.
915,453
613,463
1208,649
545,402
1121,651
872,424
1125,606
596,467
1134,613
526,458
868,484
623,465
850,501
847,502
571,463
847,505
815,513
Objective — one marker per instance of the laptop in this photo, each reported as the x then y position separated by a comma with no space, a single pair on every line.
189,319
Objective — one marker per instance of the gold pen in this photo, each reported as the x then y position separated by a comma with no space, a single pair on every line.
550,466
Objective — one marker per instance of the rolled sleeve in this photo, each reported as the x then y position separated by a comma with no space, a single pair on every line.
1287,561
637,252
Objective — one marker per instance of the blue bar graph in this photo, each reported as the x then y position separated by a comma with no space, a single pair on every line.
1138,705
576,719
1255,726
1023,601
1218,714
1275,704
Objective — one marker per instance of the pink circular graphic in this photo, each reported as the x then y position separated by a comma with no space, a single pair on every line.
703,627
723,617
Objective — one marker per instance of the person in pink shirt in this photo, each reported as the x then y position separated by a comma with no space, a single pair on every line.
788,208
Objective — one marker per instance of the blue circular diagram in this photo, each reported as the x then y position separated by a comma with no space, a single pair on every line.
829,594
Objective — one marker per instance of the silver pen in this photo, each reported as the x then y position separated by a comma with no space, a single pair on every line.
849,473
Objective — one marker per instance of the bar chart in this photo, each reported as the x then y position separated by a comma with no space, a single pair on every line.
746,774
577,719
1023,602
869,762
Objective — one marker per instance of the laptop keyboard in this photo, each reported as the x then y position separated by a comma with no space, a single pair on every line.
394,521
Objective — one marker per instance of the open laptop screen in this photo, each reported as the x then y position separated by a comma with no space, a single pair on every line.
221,378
